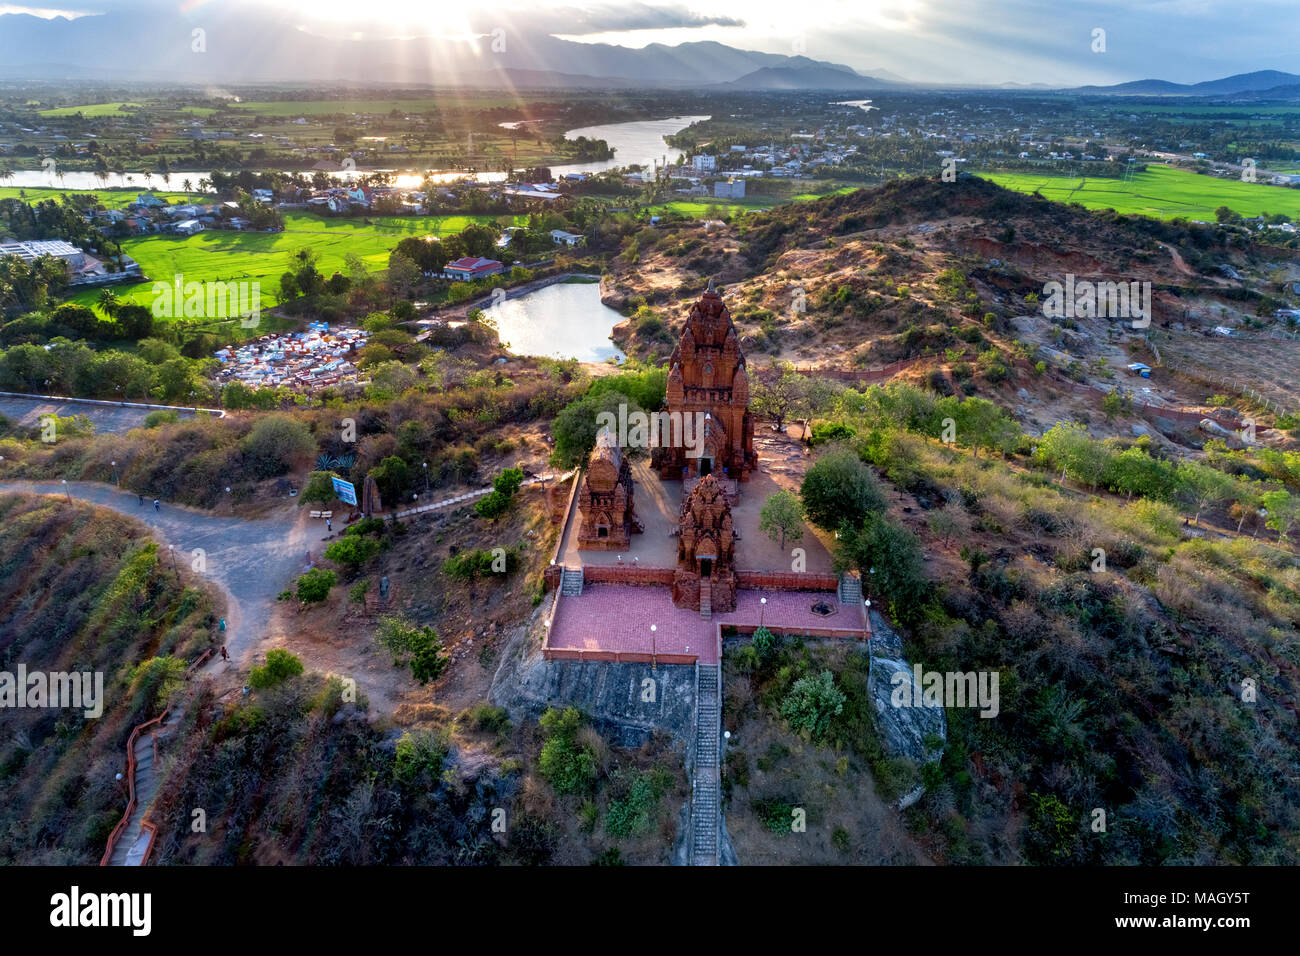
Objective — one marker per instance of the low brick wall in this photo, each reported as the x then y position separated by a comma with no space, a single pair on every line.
786,581
616,657
857,634
627,574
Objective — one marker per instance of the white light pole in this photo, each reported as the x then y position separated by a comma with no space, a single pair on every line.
65,490
762,610
114,464
654,660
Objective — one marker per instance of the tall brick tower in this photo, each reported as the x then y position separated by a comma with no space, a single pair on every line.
707,374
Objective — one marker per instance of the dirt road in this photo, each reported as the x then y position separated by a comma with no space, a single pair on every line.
251,560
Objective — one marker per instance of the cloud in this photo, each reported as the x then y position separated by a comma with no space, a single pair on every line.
608,18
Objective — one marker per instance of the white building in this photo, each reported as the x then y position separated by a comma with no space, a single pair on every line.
732,189
704,162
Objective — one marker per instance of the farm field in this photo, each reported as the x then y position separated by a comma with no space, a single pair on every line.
1161,192
420,104
111,198
115,109
224,255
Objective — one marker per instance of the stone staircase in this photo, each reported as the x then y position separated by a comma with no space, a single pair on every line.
850,589
706,599
705,808
134,842
571,582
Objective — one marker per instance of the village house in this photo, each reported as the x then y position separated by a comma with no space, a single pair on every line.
468,268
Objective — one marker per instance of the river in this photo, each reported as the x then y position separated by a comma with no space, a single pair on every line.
640,142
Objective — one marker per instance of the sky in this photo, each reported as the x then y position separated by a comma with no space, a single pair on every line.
1055,42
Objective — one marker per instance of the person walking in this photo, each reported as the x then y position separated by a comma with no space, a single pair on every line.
224,655
141,497
329,524
155,505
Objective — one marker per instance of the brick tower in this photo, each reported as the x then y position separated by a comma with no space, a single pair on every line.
707,376
705,579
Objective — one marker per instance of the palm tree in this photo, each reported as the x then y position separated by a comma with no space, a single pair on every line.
6,173
108,302
187,185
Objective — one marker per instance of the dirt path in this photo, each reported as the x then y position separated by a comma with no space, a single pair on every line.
251,560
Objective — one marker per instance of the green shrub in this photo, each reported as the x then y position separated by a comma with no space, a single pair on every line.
357,593
567,765
157,680
492,506
280,666
352,551
811,703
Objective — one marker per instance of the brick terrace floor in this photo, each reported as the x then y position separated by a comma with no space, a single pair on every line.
617,617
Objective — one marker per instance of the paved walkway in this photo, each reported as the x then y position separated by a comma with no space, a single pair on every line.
251,559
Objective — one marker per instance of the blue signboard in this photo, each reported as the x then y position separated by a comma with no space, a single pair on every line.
345,491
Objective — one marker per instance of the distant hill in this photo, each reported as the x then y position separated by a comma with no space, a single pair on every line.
1238,83
806,78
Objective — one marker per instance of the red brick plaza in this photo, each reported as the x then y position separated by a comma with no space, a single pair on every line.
613,622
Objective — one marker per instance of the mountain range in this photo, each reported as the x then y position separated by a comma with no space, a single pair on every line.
272,46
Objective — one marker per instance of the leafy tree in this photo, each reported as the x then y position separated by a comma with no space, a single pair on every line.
782,517
393,476
575,427
839,488
314,586
319,488
889,558
279,667
777,397
1283,512
1202,486
1067,446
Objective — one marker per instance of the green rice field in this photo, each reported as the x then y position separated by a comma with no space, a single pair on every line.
225,256
1162,192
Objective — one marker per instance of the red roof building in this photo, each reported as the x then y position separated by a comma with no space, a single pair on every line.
472,267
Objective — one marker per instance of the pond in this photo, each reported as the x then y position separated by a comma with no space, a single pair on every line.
565,320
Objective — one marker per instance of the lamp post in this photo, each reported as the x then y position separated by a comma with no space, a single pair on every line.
762,610
114,464
65,490
654,660
425,466
171,549
232,500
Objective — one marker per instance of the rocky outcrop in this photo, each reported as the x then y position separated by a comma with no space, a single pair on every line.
903,730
